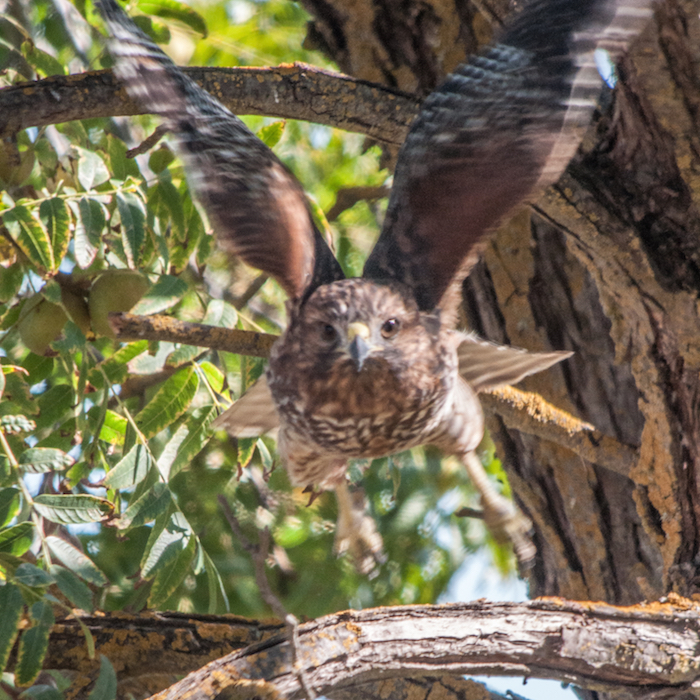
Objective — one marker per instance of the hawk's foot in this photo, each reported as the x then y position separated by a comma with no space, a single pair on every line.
507,524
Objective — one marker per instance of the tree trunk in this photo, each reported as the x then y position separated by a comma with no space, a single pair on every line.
606,264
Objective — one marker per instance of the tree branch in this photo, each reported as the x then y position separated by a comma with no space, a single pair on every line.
530,413
160,327
650,647
294,91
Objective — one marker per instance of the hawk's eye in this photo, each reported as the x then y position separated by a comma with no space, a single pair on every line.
390,327
328,332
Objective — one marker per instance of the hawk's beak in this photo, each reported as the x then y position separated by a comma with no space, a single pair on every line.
359,348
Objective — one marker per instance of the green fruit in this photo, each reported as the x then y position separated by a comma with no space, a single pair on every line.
39,323
114,290
77,309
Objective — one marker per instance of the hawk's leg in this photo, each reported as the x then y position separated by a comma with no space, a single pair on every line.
356,531
502,517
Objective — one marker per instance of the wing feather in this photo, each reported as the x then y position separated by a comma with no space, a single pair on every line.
501,126
256,204
252,415
487,365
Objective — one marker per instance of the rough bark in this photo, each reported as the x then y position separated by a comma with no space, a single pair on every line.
294,91
407,651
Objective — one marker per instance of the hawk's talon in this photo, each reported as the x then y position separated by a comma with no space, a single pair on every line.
507,523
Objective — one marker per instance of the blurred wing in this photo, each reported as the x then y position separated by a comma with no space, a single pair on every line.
256,205
503,125
252,415
487,366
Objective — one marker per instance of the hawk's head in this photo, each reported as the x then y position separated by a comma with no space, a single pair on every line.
361,345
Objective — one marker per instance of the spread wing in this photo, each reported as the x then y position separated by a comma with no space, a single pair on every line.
487,366
256,205
252,415
502,126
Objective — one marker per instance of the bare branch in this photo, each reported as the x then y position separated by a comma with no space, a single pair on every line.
530,413
159,327
294,91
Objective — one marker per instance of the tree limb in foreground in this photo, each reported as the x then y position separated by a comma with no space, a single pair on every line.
652,647
293,91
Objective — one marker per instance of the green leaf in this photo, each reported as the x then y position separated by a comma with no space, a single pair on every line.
198,435
221,313
11,278
132,213
292,532
169,403
72,587
271,134
172,9
31,236
11,605
16,540
131,469
106,684
38,460
75,560
171,541
158,32
44,63
89,225
214,376
166,292
92,170
154,502
169,577
9,504
54,405
122,166
54,215
215,585
72,509
160,159
246,449
115,367
113,428
33,644
32,576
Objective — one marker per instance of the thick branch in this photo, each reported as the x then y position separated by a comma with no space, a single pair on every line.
294,91
593,645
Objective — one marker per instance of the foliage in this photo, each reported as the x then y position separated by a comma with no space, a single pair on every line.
109,473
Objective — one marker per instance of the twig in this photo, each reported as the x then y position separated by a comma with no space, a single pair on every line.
294,91
258,554
148,143
253,288
350,196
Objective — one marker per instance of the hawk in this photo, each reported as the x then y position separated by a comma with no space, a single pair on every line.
371,366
